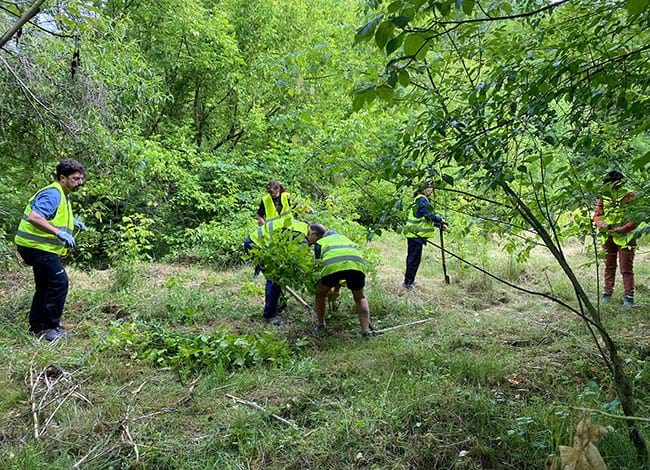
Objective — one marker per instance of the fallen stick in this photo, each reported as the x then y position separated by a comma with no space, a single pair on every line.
58,406
252,404
383,330
32,399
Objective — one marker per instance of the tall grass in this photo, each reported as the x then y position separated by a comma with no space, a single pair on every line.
494,379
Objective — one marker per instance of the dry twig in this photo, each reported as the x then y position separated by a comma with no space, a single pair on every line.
252,404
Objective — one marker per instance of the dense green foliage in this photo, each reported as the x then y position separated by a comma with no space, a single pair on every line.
541,98
181,114
190,353
183,111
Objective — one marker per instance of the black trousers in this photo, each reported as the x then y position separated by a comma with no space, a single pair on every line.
51,282
413,258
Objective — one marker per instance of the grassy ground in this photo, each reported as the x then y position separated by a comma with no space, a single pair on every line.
495,379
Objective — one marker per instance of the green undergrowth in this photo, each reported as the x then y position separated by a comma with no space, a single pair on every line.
175,369
190,352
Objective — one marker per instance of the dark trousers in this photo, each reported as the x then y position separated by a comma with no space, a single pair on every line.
413,258
273,299
51,282
272,294
625,257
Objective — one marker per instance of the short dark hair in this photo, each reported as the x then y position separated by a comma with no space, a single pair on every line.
68,167
318,229
614,176
422,185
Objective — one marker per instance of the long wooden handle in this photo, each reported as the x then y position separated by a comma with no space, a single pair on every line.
442,251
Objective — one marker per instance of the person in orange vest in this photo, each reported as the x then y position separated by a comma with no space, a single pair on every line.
44,235
616,235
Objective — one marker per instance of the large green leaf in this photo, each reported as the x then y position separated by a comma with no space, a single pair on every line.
468,6
403,77
384,33
401,21
385,93
413,42
366,31
642,161
395,43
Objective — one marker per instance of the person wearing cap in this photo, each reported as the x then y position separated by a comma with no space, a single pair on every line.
615,233
44,235
342,260
421,224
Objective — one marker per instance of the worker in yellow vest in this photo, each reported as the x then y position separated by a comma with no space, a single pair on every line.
275,204
274,303
44,235
342,260
421,224
616,235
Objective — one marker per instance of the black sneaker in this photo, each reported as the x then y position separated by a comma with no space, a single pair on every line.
370,333
277,320
55,334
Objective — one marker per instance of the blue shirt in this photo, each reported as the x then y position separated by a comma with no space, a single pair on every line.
47,202
423,211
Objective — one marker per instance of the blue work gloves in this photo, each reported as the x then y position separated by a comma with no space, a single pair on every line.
67,239
79,225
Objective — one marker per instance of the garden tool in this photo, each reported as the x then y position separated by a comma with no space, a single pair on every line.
442,251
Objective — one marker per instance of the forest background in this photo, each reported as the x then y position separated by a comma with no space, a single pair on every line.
182,111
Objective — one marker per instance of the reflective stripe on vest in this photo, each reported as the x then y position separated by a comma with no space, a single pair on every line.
270,212
264,233
419,227
28,235
339,254
338,259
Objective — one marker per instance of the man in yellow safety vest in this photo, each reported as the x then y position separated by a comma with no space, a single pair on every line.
342,260
44,235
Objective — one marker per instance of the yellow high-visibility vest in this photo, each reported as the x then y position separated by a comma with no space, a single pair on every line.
339,254
270,212
30,236
418,227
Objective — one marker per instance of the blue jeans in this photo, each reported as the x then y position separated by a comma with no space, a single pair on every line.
51,282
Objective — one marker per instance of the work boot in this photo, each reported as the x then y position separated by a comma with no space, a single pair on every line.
54,334
607,297
628,301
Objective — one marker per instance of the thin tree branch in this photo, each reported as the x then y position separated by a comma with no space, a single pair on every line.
28,15
490,19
